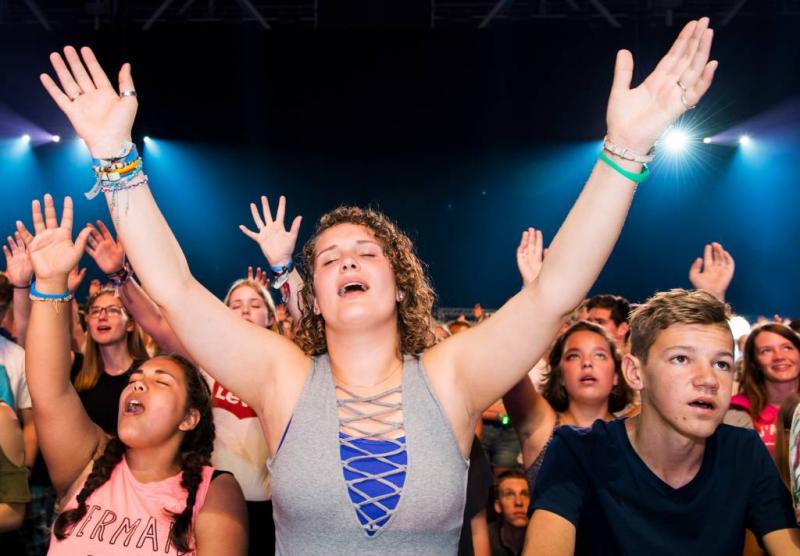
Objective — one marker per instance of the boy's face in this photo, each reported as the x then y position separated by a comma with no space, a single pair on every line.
688,377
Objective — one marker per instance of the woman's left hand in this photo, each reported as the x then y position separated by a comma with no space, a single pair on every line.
637,117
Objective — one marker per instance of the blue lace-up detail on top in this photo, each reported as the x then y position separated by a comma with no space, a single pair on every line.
374,465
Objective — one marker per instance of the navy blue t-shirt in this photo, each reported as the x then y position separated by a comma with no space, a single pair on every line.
593,478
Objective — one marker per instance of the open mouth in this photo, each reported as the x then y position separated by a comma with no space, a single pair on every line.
588,379
352,287
134,407
702,404
103,328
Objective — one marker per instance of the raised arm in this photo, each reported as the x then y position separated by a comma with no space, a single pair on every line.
20,274
110,258
67,437
489,359
277,244
254,360
713,271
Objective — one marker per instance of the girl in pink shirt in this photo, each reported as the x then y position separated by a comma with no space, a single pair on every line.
151,488
771,374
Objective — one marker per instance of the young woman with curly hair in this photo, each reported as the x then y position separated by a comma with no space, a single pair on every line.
369,430
149,488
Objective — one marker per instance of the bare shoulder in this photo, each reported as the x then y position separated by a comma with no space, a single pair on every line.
221,526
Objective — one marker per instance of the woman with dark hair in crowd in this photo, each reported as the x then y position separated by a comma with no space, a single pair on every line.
362,415
239,445
149,487
771,374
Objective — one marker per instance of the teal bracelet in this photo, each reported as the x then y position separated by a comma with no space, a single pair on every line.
633,176
39,296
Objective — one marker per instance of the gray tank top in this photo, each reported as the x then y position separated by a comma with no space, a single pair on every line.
312,509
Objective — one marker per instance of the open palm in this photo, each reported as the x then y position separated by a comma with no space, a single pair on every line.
52,251
276,242
637,117
100,116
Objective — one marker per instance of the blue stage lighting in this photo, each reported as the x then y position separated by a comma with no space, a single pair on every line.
56,138
745,140
147,139
707,140
26,138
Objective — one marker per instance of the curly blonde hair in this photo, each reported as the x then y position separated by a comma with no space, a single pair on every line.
413,310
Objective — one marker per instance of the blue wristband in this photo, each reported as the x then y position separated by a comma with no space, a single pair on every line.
36,294
285,269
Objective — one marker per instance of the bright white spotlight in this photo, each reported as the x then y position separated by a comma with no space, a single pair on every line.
26,138
56,138
706,140
745,140
676,140
147,138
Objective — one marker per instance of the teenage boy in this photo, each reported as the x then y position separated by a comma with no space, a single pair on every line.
672,480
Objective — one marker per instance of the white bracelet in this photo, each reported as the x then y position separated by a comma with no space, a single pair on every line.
627,154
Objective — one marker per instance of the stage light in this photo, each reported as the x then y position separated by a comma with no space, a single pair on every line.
26,138
147,139
676,140
56,138
744,140
706,140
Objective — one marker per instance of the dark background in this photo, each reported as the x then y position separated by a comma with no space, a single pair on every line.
463,136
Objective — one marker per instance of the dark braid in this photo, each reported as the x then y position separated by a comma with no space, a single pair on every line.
103,466
195,453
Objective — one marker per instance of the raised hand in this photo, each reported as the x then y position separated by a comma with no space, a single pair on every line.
18,264
530,254
53,254
101,116
275,241
260,276
104,249
637,117
75,278
714,271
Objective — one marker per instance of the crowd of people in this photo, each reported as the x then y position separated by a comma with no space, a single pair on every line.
322,410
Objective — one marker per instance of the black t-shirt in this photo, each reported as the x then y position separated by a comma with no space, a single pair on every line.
102,401
479,481
594,478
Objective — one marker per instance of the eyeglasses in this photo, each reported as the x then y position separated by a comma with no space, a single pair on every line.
110,311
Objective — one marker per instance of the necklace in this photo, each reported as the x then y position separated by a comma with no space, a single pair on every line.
338,379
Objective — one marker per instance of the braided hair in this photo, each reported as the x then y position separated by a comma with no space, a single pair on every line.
195,453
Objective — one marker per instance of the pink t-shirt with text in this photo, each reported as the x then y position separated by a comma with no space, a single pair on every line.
126,517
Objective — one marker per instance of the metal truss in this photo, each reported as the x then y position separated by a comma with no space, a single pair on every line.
52,15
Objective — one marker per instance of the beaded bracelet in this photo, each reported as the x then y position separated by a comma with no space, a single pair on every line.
55,298
121,276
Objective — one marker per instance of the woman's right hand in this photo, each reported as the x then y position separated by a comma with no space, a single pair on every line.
104,249
52,252
18,263
100,116
530,254
275,241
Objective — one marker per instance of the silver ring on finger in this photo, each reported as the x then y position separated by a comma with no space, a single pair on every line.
130,93
686,104
680,84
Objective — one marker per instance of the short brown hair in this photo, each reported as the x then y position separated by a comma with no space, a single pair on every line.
676,306
553,389
618,306
508,474
413,311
